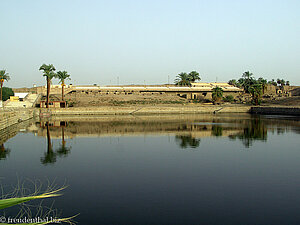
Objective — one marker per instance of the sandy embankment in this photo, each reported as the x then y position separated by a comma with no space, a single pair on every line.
119,110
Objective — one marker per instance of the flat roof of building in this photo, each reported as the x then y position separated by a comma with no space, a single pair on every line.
21,94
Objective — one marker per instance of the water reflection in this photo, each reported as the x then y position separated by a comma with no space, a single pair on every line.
127,166
186,141
255,130
217,131
4,152
8,133
63,150
188,130
50,156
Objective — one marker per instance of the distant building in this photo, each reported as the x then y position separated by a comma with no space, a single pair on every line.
21,96
271,90
196,91
53,104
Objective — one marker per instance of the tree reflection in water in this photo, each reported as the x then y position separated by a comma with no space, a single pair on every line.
50,156
216,131
187,141
4,152
62,151
255,130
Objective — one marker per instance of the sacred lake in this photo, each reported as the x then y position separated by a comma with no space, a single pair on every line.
156,169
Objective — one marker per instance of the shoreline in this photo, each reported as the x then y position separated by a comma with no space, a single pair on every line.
171,109
16,116
127,110
11,117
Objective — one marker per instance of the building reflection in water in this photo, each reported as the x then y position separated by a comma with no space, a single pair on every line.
188,130
8,133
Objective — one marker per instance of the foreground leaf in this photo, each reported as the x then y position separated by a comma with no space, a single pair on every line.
9,202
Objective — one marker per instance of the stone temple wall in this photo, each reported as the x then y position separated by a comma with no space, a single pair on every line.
9,118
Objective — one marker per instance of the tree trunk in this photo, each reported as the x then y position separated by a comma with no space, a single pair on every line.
256,101
62,90
63,136
49,145
1,90
48,92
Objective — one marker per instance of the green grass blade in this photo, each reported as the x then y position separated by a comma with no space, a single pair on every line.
5,203
9,202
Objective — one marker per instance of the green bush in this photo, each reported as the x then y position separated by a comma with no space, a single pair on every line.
6,93
228,98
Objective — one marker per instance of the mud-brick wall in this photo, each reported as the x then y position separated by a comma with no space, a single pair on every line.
8,118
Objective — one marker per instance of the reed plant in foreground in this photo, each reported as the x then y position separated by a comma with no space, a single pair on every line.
14,201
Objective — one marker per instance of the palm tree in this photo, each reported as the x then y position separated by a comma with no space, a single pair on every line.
281,82
256,92
183,79
273,82
232,82
263,83
247,75
278,81
62,76
3,76
217,94
246,81
193,76
48,72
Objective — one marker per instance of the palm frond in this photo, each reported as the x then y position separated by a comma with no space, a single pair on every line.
46,67
63,75
4,75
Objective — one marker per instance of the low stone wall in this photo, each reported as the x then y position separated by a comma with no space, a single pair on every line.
11,117
116,110
13,130
295,111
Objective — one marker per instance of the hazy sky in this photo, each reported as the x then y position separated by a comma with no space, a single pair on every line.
147,41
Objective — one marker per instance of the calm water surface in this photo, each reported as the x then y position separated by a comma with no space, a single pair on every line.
222,169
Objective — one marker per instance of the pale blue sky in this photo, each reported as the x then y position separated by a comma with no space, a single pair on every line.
98,41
